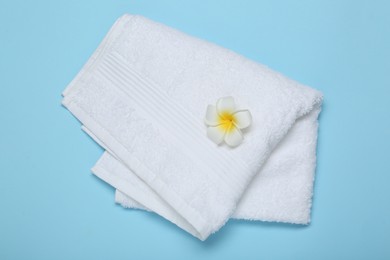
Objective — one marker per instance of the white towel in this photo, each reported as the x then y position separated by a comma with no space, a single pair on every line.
280,192
143,94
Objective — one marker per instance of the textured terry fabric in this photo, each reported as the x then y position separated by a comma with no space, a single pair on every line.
143,95
281,191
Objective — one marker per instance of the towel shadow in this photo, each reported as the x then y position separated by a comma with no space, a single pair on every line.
216,239
107,187
234,224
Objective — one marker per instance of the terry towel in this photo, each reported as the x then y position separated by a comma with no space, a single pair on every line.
143,96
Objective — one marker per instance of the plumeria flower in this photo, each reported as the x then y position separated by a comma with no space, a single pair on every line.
224,122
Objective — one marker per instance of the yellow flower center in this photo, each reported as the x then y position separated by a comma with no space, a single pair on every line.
226,121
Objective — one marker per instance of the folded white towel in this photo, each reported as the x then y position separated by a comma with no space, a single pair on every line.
143,94
280,192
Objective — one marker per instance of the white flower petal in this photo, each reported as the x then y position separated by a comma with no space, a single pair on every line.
216,134
226,105
233,137
242,119
212,117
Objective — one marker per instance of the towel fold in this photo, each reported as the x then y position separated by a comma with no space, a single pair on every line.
143,96
280,192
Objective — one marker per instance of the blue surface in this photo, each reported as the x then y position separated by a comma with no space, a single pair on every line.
51,207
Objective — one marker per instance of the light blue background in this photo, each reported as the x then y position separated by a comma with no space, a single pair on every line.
52,207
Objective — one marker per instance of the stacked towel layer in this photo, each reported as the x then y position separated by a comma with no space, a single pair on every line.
143,96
